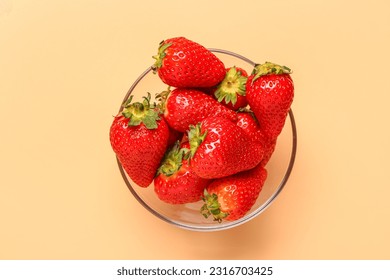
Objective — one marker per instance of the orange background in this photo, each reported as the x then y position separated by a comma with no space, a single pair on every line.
66,65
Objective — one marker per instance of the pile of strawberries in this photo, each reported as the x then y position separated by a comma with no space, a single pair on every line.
208,136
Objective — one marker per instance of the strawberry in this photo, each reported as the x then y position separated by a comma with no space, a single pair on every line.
269,149
248,122
231,91
230,198
139,138
185,107
270,92
183,63
176,183
219,148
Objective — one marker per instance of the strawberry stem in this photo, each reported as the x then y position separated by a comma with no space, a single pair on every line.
233,84
172,160
195,138
212,207
138,113
160,56
162,99
268,68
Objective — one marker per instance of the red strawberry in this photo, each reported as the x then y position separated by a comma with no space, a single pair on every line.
269,149
220,148
183,63
185,107
248,122
230,198
139,137
231,91
176,183
270,92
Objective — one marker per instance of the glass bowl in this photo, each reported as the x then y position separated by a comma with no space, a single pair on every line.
188,216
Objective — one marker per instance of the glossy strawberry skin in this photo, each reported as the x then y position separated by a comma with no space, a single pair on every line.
249,124
139,149
236,194
225,149
270,98
185,107
251,127
269,148
184,63
183,186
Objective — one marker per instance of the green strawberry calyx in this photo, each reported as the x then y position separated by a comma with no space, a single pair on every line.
162,98
212,207
141,112
233,84
268,68
195,138
173,160
160,56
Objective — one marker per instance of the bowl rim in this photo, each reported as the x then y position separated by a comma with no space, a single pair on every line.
246,218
